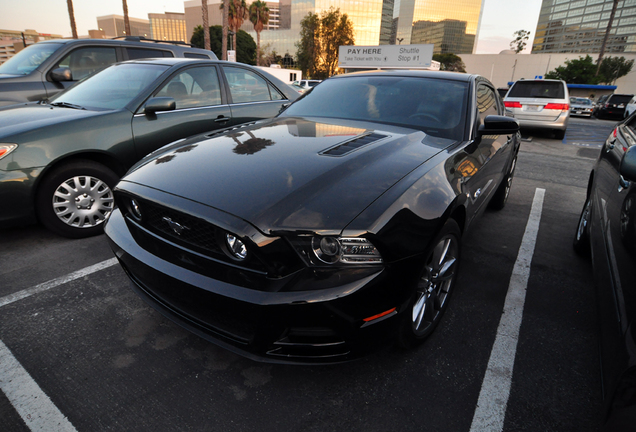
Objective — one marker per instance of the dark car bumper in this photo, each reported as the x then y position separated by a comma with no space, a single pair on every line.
304,327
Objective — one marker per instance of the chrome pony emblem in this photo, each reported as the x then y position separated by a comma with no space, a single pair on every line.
176,226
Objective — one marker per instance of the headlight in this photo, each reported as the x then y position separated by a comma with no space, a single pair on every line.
5,149
235,247
135,209
347,250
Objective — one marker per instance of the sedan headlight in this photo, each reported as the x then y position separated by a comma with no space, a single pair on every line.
346,250
5,149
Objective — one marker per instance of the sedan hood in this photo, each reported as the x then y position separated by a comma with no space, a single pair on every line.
290,173
21,118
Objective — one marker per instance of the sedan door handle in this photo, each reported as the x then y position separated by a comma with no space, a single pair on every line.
221,119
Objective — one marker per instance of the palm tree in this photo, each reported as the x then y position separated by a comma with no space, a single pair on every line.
237,12
126,20
226,8
206,24
259,16
71,15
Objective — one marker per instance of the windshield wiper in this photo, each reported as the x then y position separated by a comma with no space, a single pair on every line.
67,105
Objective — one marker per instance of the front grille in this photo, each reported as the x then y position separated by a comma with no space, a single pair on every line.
196,232
310,343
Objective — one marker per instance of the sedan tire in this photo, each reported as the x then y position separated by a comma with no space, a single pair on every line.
75,199
434,286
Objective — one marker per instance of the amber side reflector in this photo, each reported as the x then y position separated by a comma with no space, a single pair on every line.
371,318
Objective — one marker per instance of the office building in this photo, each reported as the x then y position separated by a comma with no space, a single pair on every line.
113,26
450,25
169,26
579,26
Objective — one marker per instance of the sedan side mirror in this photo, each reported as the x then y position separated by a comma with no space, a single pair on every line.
61,74
498,125
160,104
628,164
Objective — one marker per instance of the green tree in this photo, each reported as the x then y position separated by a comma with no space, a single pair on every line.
237,12
612,68
579,71
259,16
246,47
450,62
320,39
520,40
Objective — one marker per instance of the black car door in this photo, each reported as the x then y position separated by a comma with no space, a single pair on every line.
200,107
613,237
482,163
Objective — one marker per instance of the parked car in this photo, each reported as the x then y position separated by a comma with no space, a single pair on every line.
540,104
581,106
630,108
607,229
313,236
307,84
298,88
59,160
44,69
613,106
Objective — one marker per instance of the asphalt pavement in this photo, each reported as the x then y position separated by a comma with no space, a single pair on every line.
79,351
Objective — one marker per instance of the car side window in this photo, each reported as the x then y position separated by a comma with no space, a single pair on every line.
84,61
139,53
247,86
486,102
194,87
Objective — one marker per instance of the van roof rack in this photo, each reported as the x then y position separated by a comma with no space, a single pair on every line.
144,39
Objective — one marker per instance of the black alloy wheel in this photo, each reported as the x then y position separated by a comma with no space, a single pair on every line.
75,199
434,286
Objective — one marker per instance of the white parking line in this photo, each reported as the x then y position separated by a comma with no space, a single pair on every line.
33,405
56,282
495,390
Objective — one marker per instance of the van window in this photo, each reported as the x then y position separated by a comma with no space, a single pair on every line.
537,89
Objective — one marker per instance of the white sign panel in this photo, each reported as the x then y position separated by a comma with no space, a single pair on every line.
386,56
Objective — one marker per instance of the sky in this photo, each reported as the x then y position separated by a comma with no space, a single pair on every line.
500,18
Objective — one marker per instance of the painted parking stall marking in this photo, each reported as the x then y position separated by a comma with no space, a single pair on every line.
495,389
28,399
56,282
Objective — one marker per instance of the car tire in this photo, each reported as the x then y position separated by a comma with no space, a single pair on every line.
559,134
75,199
500,198
433,288
581,243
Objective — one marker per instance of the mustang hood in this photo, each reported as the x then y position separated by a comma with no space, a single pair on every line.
20,118
290,173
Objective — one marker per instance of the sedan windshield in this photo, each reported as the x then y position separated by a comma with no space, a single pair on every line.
24,62
435,106
113,88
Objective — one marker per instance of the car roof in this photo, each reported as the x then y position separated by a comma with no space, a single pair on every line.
455,76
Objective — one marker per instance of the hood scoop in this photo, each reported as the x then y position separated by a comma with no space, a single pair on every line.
347,147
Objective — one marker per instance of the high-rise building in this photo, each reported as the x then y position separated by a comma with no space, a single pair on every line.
579,26
449,24
169,26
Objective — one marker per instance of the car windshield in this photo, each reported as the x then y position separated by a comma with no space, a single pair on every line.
537,89
580,101
113,88
435,106
24,62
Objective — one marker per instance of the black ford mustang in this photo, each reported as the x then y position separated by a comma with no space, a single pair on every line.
310,237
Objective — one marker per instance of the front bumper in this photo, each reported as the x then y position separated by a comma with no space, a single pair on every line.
313,326
16,195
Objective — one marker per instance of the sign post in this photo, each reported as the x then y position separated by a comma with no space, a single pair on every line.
387,56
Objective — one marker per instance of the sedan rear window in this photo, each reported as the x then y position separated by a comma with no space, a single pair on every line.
435,106
620,99
537,89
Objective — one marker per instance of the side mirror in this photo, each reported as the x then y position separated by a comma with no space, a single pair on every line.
61,74
498,125
628,164
160,104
